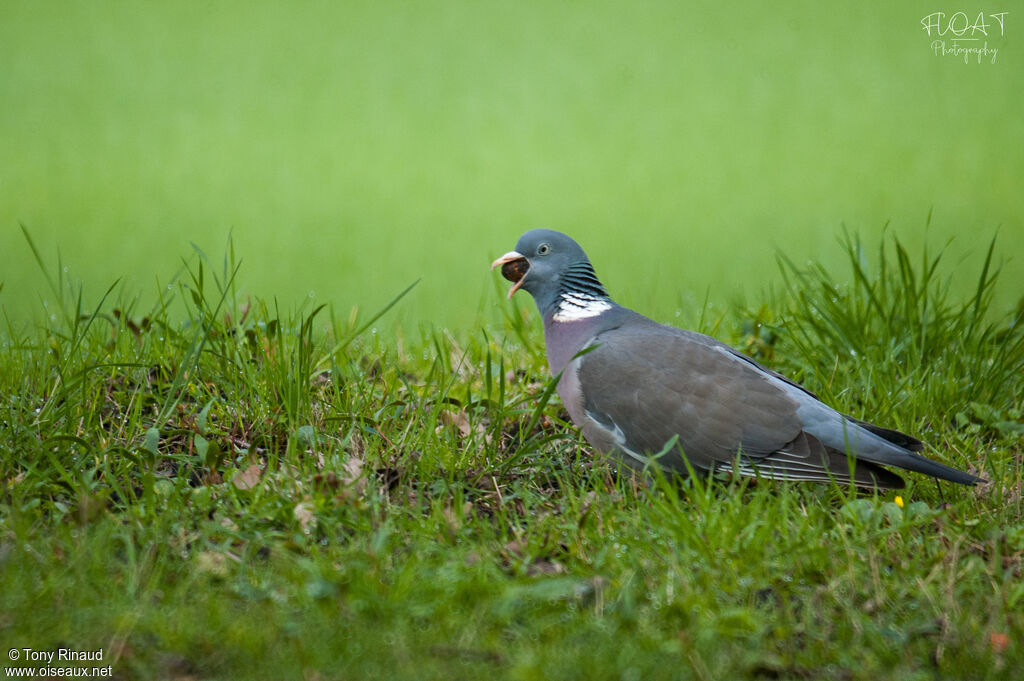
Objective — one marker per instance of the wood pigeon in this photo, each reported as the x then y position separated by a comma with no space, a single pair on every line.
644,389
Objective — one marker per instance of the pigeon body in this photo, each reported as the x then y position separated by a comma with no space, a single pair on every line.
644,389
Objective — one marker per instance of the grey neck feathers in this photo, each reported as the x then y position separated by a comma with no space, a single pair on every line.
578,295
580,279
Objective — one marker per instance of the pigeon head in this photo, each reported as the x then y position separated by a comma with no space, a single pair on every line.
552,268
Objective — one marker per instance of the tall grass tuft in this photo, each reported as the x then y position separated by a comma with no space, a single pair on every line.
894,343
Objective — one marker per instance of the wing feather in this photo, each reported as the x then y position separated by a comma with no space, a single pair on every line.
655,384
646,384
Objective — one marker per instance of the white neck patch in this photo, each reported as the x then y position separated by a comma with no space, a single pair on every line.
573,307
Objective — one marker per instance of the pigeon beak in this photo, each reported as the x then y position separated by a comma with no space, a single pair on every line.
514,267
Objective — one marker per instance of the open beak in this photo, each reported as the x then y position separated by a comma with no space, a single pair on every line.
514,267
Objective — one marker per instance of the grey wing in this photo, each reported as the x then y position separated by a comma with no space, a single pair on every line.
646,385
652,384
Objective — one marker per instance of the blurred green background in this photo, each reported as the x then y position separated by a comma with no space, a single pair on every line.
351,147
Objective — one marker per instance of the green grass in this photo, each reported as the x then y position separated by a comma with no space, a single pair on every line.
253,489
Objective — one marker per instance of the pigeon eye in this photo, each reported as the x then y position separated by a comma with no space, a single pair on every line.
543,249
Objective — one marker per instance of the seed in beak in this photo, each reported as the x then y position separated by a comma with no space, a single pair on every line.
514,270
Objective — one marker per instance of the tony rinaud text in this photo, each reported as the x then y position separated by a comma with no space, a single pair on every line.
62,655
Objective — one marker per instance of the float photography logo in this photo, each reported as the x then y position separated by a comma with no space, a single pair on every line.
956,35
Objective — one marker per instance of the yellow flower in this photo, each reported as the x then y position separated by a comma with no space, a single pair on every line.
899,501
